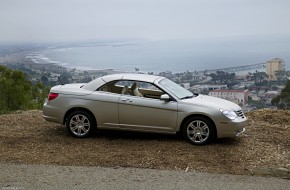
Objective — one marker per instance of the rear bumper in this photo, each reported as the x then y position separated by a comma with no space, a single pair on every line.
52,114
50,119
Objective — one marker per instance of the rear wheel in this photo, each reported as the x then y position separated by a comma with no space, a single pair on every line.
198,130
80,124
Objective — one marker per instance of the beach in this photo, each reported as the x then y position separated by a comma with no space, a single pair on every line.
23,59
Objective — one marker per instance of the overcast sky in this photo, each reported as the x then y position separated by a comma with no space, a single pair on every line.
66,20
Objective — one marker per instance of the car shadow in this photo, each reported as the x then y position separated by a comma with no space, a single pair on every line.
227,141
130,135
112,135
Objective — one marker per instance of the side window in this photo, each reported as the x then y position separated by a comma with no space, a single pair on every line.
124,83
133,88
148,86
105,88
124,86
146,90
111,87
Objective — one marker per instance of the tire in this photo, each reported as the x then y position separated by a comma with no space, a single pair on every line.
198,130
80,124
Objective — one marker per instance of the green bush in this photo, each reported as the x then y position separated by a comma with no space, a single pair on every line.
18,93
282,101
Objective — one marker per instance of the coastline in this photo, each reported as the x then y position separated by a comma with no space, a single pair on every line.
36,60
22,59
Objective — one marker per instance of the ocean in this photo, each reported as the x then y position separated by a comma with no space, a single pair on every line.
159,56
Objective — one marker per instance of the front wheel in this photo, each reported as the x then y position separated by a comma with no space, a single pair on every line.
80,124
198,130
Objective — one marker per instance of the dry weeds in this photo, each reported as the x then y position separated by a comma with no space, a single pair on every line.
27,138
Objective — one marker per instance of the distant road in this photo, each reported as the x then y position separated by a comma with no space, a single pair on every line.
16,177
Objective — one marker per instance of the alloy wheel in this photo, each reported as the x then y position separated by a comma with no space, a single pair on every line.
198,131
79,125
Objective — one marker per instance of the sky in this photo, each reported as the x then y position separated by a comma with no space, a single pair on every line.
76,20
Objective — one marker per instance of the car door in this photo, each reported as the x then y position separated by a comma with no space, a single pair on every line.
147,114
105,106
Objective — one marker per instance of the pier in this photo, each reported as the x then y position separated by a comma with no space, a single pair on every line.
257,66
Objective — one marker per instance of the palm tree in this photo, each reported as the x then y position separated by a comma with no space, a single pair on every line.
258,77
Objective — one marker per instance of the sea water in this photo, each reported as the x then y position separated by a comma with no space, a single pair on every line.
156,56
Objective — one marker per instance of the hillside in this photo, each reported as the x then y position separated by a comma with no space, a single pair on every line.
27,138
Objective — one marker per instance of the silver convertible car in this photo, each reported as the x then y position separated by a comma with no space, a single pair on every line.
139,102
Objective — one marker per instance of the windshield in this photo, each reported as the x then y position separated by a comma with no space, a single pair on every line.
176,89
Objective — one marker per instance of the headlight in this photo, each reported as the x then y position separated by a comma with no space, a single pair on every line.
229,114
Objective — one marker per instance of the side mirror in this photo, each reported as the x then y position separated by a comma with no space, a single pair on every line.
165,97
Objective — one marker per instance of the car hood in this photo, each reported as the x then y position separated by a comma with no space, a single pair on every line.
211,101
74,89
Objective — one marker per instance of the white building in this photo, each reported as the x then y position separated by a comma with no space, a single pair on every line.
237,96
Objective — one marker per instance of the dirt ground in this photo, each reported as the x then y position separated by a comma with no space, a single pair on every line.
27,138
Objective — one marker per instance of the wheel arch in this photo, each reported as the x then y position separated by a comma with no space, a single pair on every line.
77,109
199,115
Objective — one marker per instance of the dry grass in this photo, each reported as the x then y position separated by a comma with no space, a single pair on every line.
27,138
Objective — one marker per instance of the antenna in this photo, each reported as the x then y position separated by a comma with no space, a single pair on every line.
60,81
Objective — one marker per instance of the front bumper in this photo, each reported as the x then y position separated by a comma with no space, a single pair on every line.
240,131
231,128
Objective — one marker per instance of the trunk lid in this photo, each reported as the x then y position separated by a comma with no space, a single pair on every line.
71,89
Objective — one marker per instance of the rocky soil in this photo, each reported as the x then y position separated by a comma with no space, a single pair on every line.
265,146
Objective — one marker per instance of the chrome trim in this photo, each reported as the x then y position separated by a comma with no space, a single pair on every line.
240,113
240,131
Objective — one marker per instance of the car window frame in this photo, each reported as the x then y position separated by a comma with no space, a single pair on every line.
138,81
98,89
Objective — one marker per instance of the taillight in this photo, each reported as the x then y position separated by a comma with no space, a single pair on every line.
52,96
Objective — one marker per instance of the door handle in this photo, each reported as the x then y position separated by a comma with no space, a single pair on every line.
126,100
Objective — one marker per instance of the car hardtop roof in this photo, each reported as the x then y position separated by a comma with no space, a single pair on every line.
131,76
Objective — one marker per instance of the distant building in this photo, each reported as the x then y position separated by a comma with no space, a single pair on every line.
202,88
272,66
186,85
237,96
198,77
167,74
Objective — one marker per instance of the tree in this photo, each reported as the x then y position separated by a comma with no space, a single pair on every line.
223,77
73,70
288,73
214,77
44,80
86,79
281,75
205,74
39,94
66,77
249,76
14,89
259,77
17,92
282,101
